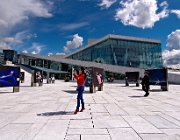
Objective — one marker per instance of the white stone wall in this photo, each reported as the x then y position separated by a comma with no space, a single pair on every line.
174,78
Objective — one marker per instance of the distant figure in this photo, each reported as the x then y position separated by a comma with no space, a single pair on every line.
39,78
49,80
81,77
99,78
21,78
67,78
53,79
145,84
110,78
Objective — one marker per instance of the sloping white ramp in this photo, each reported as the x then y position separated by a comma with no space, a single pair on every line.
106,67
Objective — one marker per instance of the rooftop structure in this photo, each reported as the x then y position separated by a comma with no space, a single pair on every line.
122,51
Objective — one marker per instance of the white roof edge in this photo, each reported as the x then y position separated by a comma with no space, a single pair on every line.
116,37
134,38
89,45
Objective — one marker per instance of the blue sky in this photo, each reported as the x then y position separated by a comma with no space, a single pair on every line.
62,26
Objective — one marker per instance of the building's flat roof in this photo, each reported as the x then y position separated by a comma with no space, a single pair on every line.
55,56
107,67
112,36
46,57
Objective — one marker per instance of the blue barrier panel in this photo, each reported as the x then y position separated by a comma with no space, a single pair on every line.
9,76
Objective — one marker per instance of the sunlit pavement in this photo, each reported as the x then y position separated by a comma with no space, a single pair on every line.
117,112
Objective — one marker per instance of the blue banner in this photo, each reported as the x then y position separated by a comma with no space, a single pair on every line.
157,76
9,76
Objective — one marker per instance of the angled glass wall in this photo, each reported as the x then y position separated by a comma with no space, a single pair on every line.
123,53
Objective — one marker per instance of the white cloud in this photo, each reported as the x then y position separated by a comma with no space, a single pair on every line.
50,54
18,38
24,51
36,48
164,4
73,26
33,52
177,12
66,50
16,11
25,35
75,43
16,41
107,3
4,46
10,40
141,13
171,56
165,12
173,40
60,54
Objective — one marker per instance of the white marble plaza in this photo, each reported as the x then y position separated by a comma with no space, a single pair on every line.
116,113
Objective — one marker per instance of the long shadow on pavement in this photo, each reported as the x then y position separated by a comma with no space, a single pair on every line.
56,113
151,90
75,92
135,96
138,89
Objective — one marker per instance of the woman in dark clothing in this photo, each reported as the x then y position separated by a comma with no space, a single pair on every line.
145,84
80,88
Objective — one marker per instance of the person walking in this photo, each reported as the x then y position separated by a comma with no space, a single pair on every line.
80,88
39,78
145,83
53,79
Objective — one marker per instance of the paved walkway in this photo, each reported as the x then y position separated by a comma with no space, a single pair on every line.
118,112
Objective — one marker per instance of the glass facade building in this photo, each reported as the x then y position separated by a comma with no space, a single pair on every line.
1,58
10,55
122,51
